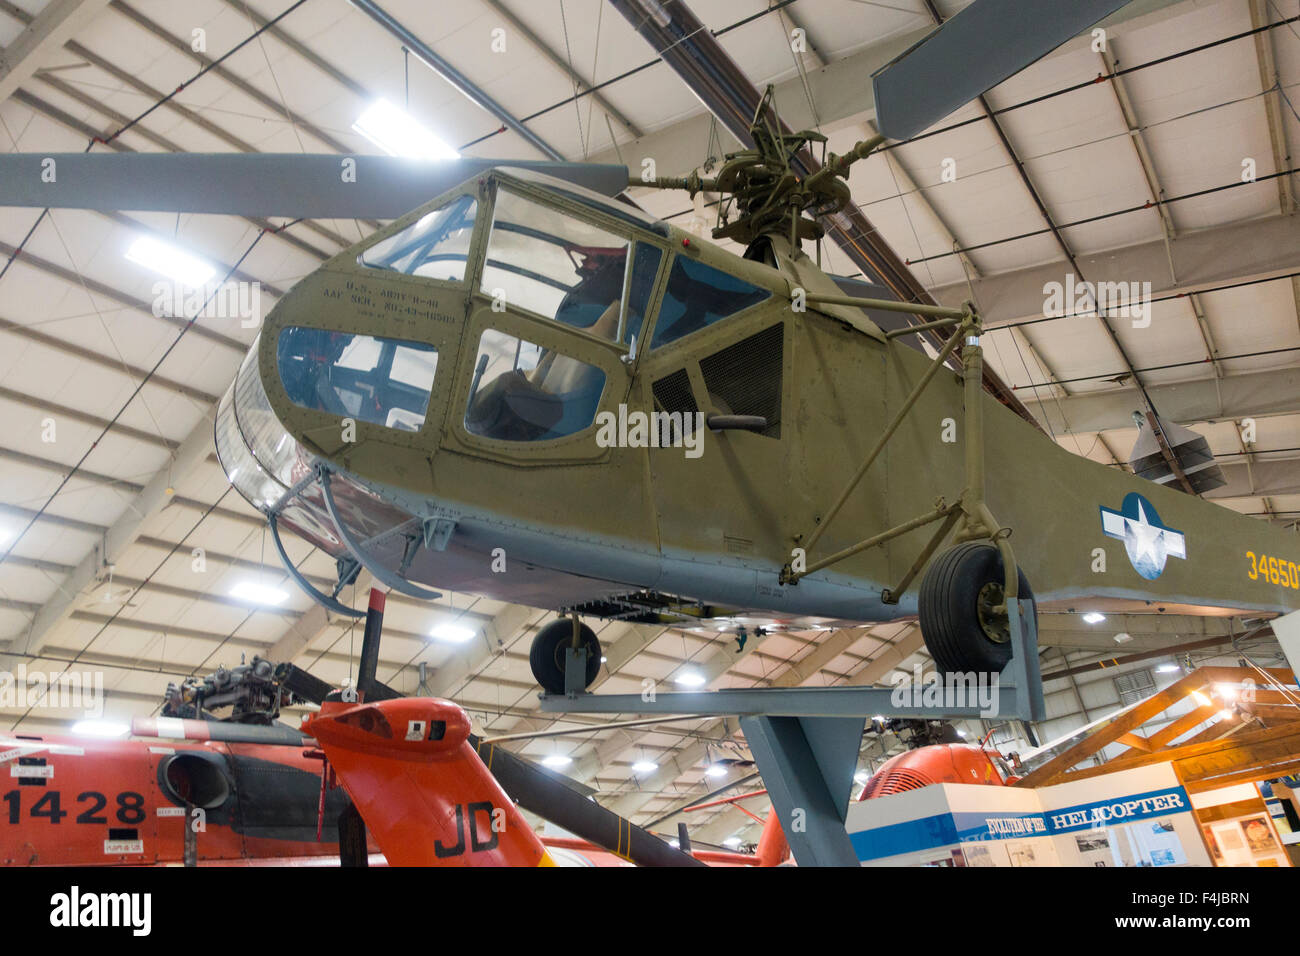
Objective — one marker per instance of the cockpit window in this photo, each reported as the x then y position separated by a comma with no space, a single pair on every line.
384,381
699,295
436,246
524,392
545,261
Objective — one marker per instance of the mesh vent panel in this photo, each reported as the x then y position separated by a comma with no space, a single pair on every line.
745,378
673,394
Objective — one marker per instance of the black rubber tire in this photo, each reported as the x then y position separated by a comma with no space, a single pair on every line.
949,612
546,656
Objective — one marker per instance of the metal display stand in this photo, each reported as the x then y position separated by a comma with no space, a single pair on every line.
1020,693
805,740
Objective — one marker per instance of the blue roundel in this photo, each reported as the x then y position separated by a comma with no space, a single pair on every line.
1148,543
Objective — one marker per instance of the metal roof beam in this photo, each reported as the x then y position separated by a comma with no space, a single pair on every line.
309,626
134,372
45,464
43,38
672,768
1256,250
426,55
889,656
802,671
468,661
278,109
100,288
579,83
1245,394
120,536
29,401
1271,81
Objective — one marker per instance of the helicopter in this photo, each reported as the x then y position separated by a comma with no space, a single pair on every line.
371,778
528,389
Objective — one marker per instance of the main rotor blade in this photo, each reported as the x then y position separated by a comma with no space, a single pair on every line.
543,793
294,185
971,53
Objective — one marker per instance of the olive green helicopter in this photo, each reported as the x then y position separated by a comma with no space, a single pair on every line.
525,388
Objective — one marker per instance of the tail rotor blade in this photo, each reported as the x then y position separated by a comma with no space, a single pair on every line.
972,52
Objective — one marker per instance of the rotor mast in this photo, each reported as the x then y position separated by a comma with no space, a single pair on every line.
764,193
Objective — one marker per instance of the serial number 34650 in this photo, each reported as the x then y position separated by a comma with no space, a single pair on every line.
1273,570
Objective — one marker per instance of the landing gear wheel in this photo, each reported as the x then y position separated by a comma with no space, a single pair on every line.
963,610
546,656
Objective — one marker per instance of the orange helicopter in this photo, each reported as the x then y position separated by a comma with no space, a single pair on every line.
372,778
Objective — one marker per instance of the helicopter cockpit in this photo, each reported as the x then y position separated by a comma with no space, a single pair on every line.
545,263
506,316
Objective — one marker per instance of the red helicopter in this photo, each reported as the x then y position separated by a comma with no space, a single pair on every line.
373,777
937,755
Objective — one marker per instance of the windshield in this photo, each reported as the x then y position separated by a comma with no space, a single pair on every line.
435,247
543,261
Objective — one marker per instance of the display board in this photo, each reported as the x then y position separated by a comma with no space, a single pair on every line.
1238,828
1137,817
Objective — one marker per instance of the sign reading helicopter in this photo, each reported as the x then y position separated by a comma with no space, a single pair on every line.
1148,542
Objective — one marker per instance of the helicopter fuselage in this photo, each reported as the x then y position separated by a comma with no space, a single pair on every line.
504,392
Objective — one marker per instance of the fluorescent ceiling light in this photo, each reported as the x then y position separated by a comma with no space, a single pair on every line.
171,261
556,761
1092,617
100,728
452,633
1167,668
256,593
398,133
645,766
732,842
861,776
691,679
715,770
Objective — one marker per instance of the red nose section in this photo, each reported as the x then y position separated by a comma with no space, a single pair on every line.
424,794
